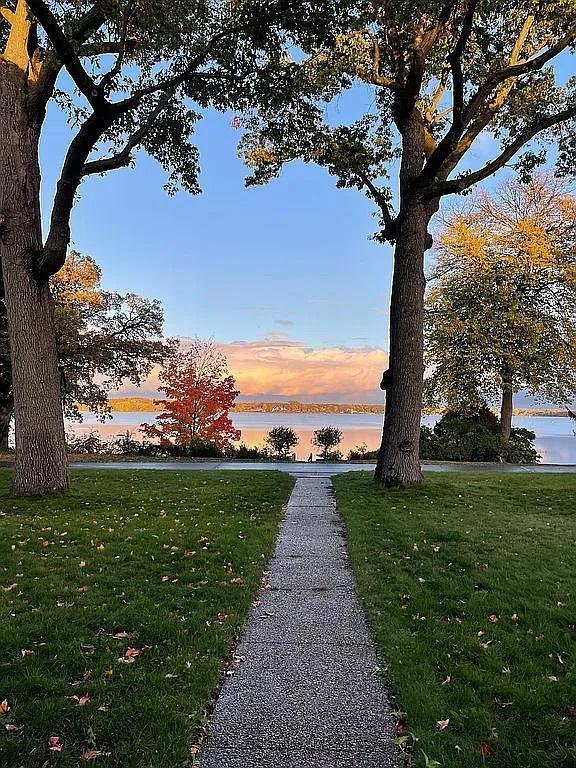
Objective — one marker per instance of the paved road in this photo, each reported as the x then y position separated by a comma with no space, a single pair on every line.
306,691
317,468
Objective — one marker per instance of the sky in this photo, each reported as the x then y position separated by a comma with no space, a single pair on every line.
285,277
287,271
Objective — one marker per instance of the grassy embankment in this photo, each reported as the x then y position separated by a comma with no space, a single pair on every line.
469,583
119,604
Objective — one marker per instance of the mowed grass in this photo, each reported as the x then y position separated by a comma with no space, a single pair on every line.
129,590
469,583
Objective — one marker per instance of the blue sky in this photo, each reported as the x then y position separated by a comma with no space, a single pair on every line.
233,263
287,271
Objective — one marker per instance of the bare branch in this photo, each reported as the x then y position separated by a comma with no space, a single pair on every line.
50,68
109,76
379,198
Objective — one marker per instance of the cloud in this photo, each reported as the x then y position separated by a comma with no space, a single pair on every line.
284,322
278,366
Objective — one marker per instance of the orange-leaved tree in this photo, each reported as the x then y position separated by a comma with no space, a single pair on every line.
199,396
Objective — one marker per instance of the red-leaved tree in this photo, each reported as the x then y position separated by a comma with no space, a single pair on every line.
199,396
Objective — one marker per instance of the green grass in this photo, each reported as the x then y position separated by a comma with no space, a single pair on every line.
433,564
156,555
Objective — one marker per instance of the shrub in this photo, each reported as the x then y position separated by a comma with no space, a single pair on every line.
466,436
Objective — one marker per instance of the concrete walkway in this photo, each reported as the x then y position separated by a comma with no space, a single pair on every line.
306,691
316,468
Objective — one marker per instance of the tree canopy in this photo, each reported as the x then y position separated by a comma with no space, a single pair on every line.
104,339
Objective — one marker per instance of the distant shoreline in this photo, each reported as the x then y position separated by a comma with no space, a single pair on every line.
147,405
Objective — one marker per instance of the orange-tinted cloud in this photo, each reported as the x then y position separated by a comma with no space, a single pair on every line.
277,365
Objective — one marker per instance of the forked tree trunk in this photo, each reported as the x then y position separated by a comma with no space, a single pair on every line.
398,459
506,408
41,464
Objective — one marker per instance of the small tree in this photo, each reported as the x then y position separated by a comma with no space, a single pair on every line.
282,440
199,396
103,339
501,312
326,439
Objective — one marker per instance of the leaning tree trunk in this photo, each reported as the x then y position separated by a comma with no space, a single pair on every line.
41,463
398,458
506,407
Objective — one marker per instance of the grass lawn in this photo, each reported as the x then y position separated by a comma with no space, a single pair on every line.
469,583
119,603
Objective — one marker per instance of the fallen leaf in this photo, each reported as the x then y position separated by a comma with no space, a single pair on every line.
55,744
165,579
4,708
237,580
124,635
9,588
11,728
441,725
27,652
493,618
485,749
93,754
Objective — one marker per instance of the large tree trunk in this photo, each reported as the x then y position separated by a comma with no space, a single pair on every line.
398,458
506,407
41,463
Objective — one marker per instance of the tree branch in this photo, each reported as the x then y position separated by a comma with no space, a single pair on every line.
515,70
67,55
380,200
81,31
469,179
123,158
53,254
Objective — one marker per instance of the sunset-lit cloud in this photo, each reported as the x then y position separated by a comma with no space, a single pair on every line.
277,365
280,366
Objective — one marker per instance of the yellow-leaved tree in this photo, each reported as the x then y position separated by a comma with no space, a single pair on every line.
501,307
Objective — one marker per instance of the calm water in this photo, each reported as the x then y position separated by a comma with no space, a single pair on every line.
555,439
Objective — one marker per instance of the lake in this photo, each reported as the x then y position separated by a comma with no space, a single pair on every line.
555,439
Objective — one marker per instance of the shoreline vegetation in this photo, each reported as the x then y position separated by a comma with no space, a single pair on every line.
149,405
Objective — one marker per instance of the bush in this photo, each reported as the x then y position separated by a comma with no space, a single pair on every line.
243,452
358,453
463,436
87,444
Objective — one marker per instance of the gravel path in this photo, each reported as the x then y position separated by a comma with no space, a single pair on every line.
306,692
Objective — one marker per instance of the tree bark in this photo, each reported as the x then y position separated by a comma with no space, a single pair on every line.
398,459
507,407
41,464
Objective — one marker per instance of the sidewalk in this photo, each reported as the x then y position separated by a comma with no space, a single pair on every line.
306,692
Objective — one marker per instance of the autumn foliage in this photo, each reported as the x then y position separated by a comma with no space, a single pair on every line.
199,396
